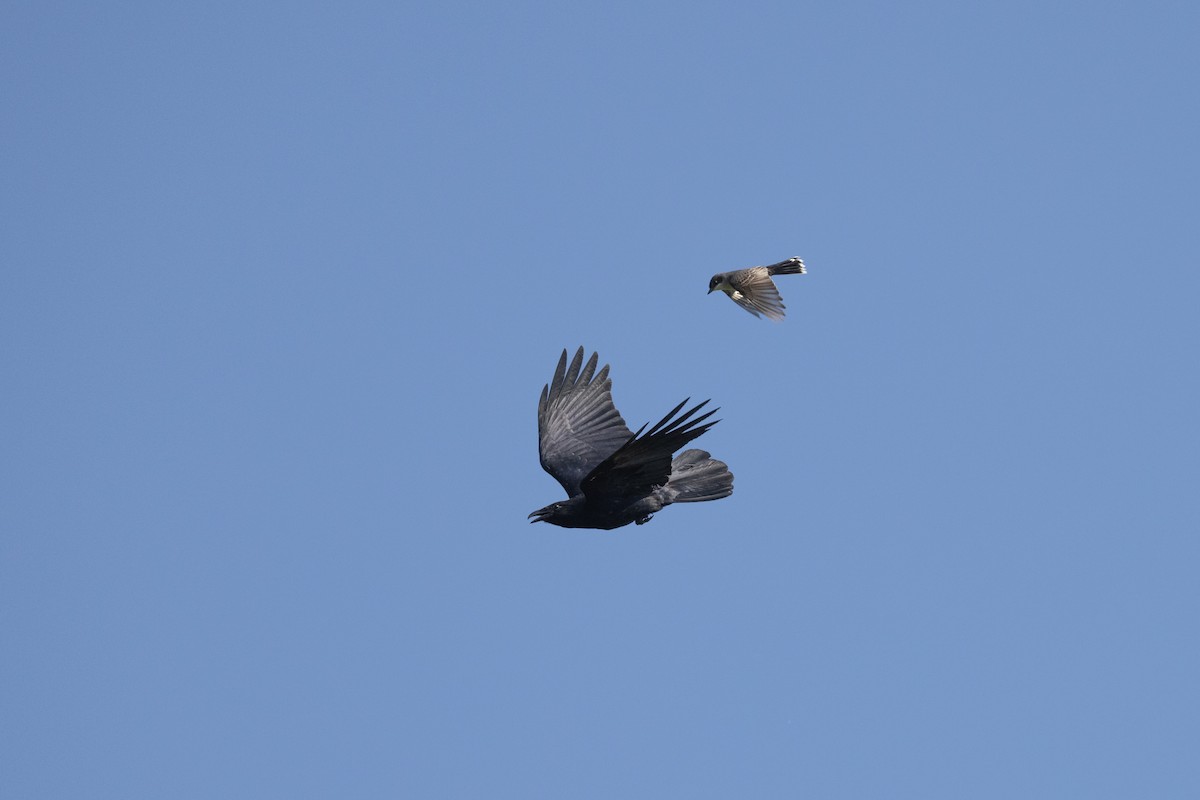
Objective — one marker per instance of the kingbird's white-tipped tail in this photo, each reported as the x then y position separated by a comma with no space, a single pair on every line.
793,266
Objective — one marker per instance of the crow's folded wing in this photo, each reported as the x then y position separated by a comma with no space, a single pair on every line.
643,462
578,425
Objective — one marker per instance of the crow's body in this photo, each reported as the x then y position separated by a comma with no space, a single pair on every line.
613,476
753,289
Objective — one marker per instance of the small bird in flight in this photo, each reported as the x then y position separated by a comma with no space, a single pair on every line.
753,289
612,475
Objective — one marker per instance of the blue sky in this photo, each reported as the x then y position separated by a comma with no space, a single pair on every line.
281,289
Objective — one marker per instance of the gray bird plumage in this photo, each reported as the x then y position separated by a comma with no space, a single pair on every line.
753,289
612,475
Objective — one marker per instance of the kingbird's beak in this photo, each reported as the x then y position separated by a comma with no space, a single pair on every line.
710,291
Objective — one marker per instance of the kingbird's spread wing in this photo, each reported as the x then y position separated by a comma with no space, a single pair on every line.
578,425
644,461
755,291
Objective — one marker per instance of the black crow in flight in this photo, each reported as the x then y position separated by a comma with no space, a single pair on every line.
613,476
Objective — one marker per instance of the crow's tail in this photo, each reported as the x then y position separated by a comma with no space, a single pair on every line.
793,266
696,476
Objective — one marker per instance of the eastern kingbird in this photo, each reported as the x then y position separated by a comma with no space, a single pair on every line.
753,289
613,476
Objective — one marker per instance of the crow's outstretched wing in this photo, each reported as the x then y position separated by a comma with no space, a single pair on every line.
644,461
578,425
755,291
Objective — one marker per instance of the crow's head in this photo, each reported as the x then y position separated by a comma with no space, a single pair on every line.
550,513
569,513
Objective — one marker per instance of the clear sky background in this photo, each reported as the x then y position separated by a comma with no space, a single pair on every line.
280,288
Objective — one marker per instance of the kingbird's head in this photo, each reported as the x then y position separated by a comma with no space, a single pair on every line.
718,282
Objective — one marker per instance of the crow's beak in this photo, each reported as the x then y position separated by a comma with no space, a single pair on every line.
540,514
